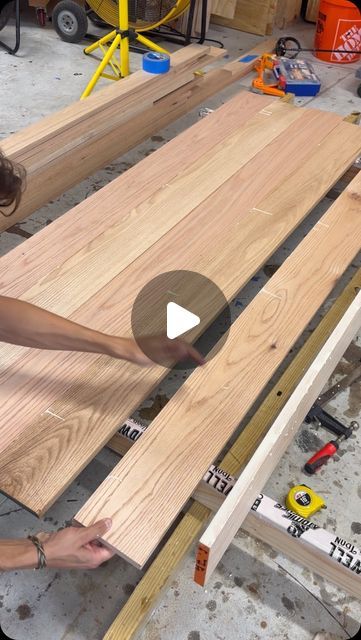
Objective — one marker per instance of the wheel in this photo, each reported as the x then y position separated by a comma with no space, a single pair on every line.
70,21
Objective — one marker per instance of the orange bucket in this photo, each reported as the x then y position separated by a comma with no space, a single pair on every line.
338,27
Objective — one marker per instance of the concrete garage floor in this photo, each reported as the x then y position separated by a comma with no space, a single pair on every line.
255,592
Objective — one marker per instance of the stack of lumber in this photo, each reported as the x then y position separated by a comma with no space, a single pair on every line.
64,148
260,16
247,175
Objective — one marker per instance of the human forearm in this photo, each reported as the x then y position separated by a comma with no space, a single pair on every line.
30,326
17,554
24,324
69,548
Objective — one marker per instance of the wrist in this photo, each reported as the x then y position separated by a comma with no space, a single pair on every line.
17,554
121,348
28,558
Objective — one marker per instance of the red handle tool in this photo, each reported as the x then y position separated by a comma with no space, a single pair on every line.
322,456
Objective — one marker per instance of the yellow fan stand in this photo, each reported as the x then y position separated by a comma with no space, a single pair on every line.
116,14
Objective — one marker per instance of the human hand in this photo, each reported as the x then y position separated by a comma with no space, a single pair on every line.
162,350
76,547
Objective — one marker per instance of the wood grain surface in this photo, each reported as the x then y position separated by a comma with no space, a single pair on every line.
21,270
80,268
91,270
64,148
252,17
259,16
43,449
142,494
224,8
92,153
155,580
135,88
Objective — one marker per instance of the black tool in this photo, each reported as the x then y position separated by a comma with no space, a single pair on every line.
317,414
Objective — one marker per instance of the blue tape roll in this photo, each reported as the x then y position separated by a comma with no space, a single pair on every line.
154,62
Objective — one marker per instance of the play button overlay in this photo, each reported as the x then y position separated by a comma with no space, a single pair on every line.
179,320
180,304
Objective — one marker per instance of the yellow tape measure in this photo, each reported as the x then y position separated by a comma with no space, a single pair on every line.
303,501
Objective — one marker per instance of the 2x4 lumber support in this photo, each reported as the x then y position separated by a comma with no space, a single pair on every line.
225,524
135,613
51,174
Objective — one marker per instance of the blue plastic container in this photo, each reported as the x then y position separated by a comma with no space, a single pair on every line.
297,76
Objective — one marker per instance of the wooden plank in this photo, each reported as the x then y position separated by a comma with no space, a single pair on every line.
127,92
271,522
287,11
225,524
223,391
86,438
67,146
100,260
144,598
44,252
104,258
51,181
312,10
223,8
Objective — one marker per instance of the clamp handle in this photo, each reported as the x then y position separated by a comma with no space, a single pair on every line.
321,457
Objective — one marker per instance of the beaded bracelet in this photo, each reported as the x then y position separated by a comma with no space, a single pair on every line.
40,550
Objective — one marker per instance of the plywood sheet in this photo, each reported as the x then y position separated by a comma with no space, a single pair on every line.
223,8
286,11
252,17
261,16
